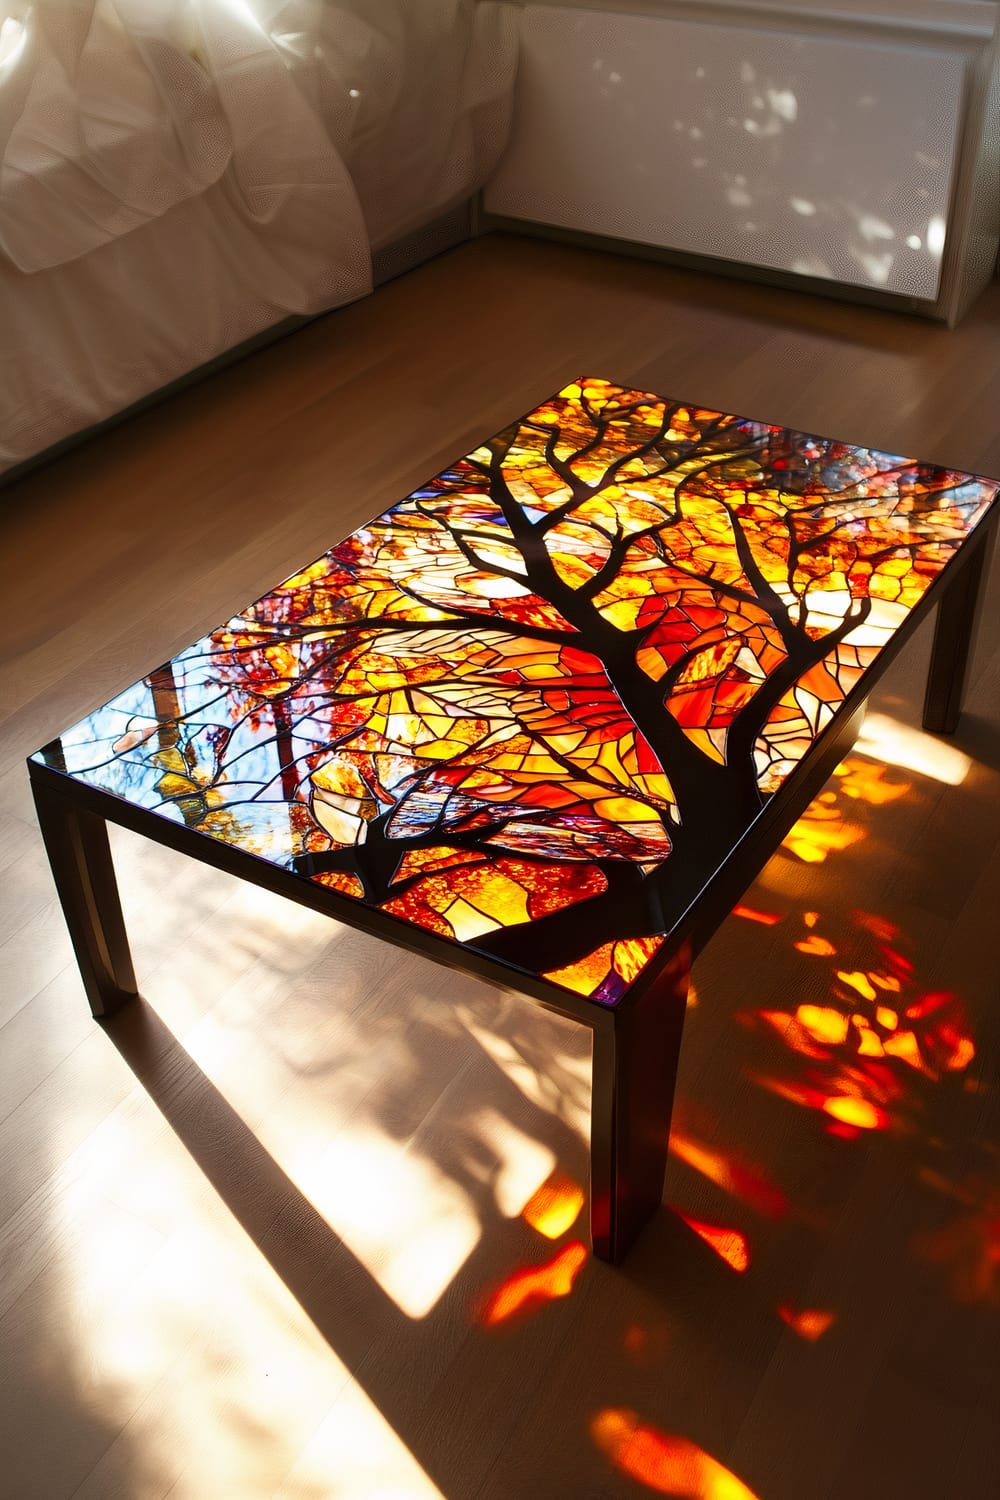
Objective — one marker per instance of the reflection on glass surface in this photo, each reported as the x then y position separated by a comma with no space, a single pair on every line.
532,707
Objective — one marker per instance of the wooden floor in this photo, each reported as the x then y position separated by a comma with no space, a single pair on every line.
273,1232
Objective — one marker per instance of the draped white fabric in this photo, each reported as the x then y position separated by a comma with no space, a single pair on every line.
176,175
415,93
114,111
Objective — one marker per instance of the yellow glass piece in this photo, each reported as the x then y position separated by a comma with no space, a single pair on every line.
489,899
342,778
350,885
468,922
622,810
587,974
631,955
172,785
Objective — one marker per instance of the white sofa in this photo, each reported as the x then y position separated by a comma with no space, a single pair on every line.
177,176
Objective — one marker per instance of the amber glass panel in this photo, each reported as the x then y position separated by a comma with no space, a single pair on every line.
534,705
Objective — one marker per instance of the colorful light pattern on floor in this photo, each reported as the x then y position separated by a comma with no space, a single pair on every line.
741,1180
969,1247
531,1287
872,1021
531,707
810,1323
555,1207
667,1464
731,1245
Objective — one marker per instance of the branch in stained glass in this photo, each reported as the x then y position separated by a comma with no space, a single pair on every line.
529,707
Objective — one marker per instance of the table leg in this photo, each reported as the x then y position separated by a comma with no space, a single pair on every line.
953,633
635,1068
76,842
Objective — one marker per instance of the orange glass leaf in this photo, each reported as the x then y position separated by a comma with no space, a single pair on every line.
607,972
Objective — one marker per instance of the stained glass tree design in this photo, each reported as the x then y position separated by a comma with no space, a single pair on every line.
532,707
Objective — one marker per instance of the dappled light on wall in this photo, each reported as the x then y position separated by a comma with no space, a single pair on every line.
739,142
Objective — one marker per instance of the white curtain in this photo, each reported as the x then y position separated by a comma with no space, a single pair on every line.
416,94
114,111
177,175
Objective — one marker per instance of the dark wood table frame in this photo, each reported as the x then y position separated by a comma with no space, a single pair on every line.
636,1044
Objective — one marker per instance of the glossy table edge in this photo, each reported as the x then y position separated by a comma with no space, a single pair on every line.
256,870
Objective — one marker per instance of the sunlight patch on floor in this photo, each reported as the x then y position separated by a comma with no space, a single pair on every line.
409,1224
181,1335
536,1084
355,1455
522,1163
663,1462
886,739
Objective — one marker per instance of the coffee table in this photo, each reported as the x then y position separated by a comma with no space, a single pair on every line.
544,720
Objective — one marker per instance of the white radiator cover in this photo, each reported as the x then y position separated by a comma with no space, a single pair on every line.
829,155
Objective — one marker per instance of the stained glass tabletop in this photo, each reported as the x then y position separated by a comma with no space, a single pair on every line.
547,716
